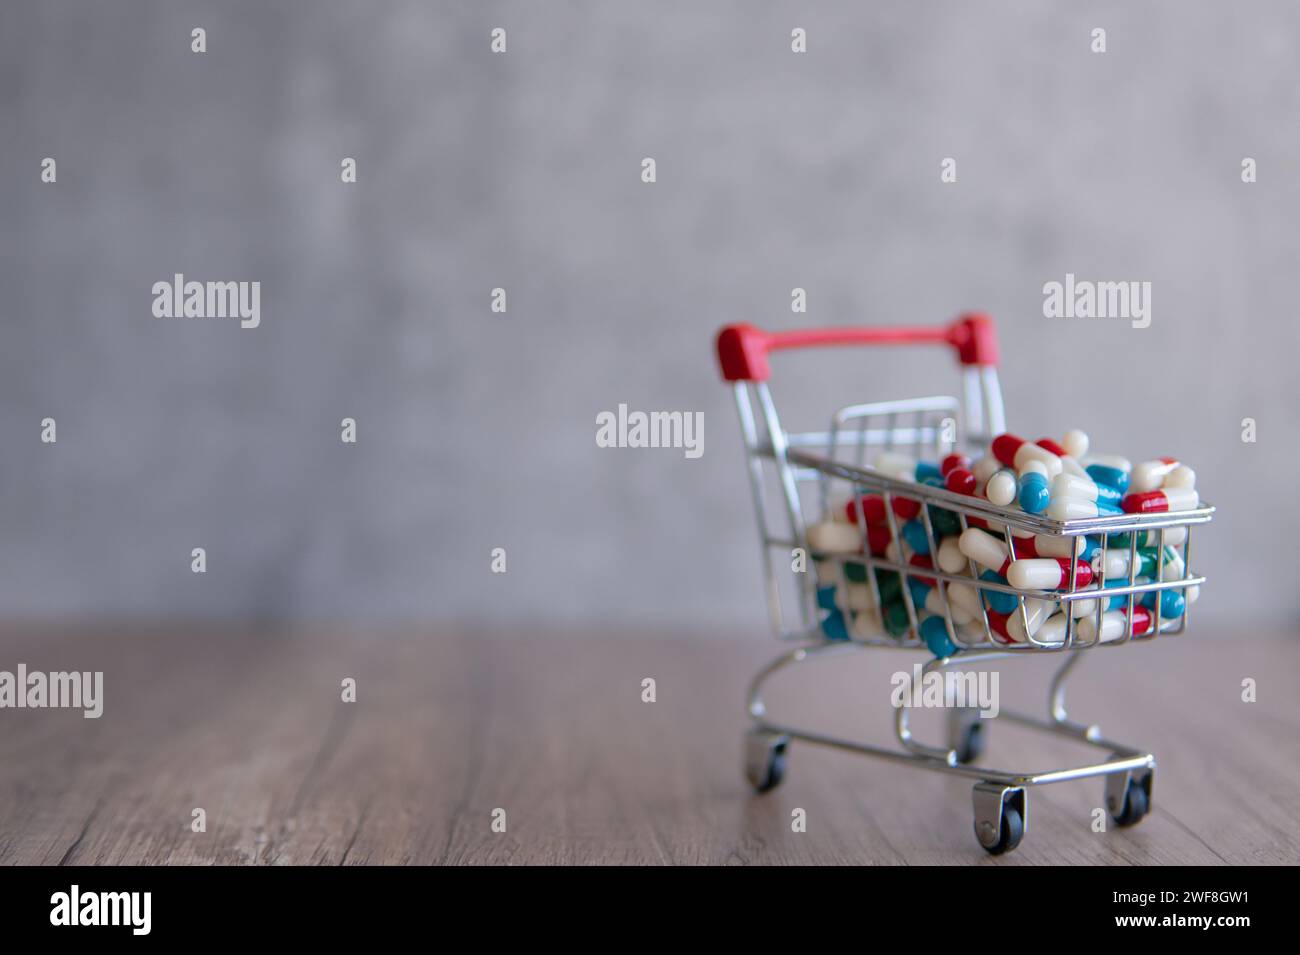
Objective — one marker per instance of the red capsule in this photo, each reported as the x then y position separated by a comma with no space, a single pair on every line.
906,508
998,624
960,481
873,506
1004,448
1142,619
1052,446
878,538
1023,547
922,560
952,462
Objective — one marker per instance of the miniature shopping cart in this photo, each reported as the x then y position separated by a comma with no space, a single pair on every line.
797,477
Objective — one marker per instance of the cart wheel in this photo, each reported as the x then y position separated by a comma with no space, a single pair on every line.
1000,813
971,745
765,759
1013,830
1135,805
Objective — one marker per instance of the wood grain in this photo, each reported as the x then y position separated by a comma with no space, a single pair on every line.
550,727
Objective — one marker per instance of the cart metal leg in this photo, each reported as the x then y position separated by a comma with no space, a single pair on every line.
1000,797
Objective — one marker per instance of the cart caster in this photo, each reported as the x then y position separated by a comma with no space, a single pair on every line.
966,735
1128,797
765,759
1000,816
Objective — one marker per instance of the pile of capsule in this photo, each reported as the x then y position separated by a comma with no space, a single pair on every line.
1057,480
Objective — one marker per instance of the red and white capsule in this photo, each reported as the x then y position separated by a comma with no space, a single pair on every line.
1016,452
1047,573
1157,502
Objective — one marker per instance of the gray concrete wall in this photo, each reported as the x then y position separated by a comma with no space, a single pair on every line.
521,170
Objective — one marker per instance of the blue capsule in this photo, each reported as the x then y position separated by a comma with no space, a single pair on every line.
835,627
920,591
1111,477
935,634
1172,603
1091,548
914,533
997,600
1107,493
826,597
925,470
1035,492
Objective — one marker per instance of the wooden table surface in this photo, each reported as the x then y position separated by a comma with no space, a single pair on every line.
550,727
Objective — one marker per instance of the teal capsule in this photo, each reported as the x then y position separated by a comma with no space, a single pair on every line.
826,597
997,600
914,533
935,634
1035,492
1172,603
835,627
1111,477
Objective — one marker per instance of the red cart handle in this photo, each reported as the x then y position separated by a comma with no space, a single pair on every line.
743,349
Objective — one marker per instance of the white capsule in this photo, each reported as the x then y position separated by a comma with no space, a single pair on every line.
898,466
1033,466
951,559
985,467
965,597
1046,545
866,624
1052,632
1174,568
934,604
1035,574
899,555
1174,536
1033,452
1149,475
855,597
1109,461
1070,465
1181,476
1081,608
1116,562
1001,488
1071,509
1072,485
1037,611
1114,624
834,537
983,548
1075,443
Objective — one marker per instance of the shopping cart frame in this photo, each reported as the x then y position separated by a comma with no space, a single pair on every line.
1000,797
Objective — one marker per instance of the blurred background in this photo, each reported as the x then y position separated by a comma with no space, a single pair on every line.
522,171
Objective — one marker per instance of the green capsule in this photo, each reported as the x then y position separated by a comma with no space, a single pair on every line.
945,522
896,621
891,586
